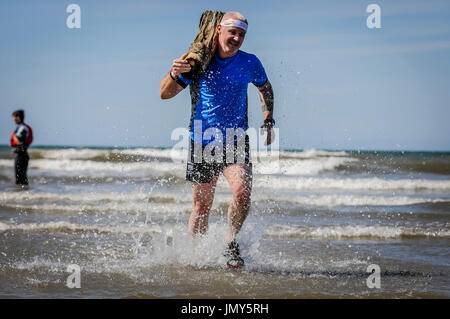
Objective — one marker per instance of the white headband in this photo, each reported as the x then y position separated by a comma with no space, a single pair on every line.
235,23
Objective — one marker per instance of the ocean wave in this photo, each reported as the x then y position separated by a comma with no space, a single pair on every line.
280,231
332,200
181,153
177,154
354,232
311,153
110,155
77,179
67,154
154,209
84,197
65,227
300,167
155,166
431,166
351,184
87,167
134,200
173,154
292,162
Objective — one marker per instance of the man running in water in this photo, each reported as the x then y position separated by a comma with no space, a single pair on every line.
219,107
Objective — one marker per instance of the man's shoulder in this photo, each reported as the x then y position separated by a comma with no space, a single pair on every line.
244,54
245,57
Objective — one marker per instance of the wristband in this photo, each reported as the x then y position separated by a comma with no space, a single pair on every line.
269,122
172,75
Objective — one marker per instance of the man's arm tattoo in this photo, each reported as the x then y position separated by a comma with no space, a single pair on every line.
266,97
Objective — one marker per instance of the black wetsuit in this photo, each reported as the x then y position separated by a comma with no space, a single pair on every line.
21,155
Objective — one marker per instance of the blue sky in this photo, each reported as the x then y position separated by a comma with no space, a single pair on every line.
337,83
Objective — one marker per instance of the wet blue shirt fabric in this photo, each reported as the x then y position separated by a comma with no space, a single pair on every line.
222,94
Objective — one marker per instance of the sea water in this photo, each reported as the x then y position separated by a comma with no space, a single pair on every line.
315,226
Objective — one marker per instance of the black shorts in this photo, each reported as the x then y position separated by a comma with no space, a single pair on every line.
202,167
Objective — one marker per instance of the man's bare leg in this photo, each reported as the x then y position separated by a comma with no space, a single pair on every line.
239,176
202,199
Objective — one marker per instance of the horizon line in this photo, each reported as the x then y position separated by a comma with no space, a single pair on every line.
281,149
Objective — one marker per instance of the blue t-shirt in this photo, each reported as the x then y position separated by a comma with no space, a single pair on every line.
219,96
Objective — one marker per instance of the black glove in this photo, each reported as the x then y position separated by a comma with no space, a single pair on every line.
268,123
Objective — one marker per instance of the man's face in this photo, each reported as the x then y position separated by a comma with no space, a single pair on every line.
230,39
17,119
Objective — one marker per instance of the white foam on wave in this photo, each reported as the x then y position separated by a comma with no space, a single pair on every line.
179,203
352,184
62,226
76,162
6,163
64,167
69,153
154,203
88,197
300,167
331,200
351,231
313,153
156,209
88,153
93,168
174,154
218,229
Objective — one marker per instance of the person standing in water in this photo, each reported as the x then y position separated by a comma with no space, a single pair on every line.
219,115
21,139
